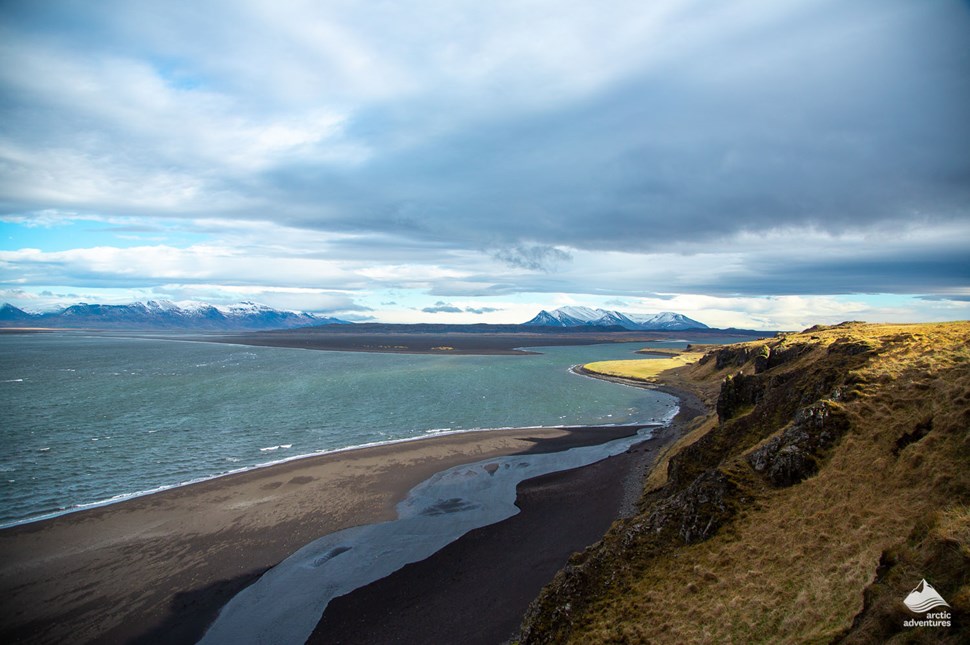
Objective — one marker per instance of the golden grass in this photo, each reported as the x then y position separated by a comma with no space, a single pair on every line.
954,526
642,369
793,564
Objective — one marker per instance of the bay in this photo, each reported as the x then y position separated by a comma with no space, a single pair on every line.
89,419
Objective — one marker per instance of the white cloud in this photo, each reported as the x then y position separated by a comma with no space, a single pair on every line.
131,138
483,150
159,264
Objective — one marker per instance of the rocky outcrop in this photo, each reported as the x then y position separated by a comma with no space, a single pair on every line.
738,392
794,455
733,356
782,353
695,513
764,357
692,515
761,361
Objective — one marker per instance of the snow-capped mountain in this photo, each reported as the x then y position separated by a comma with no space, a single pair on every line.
575,316
666,320
161,315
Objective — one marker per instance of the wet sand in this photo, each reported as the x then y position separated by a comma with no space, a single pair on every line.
476,590
158,568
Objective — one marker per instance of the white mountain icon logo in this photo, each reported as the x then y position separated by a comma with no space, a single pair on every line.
924,598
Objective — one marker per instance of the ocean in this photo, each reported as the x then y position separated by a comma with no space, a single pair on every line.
90,419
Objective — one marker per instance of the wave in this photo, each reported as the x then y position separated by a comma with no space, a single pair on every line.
284,446
121,497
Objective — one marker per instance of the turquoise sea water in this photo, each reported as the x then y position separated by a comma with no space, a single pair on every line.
88,419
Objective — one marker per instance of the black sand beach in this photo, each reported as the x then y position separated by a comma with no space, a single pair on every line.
476,590
157,569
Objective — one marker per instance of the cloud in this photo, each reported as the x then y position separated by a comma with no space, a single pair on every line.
910,259
635,139
442,308
534,258
755,148
946,298
113,266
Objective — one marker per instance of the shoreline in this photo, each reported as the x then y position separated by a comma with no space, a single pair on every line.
689,403
478,588
164,564
121,498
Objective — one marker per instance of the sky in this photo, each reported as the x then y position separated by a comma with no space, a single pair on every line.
758,164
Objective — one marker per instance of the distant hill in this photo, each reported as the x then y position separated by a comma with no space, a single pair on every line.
589,317
163,315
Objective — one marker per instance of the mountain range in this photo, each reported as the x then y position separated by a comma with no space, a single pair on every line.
249,316
588,317
164,315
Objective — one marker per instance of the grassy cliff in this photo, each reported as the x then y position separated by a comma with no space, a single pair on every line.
831,475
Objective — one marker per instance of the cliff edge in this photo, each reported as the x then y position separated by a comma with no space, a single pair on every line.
830,477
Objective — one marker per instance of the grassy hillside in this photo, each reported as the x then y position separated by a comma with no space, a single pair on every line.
831,476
